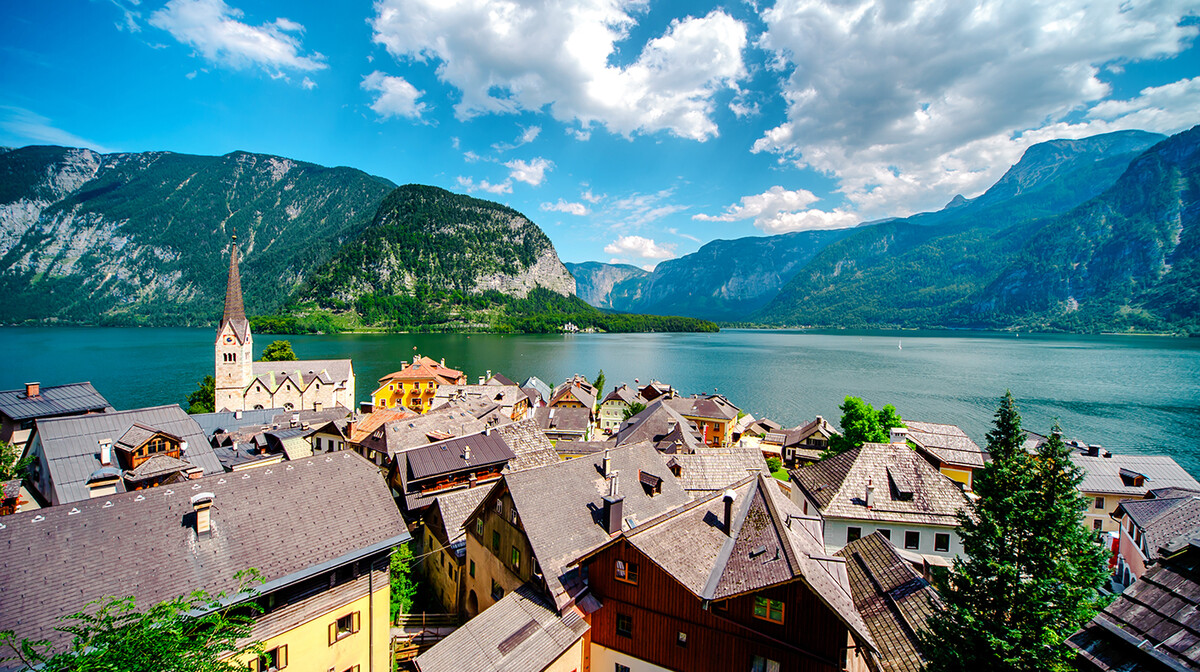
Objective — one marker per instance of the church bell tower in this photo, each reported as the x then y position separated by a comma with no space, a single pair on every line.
235,346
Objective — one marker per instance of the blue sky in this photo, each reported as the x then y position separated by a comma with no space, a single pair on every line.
630,131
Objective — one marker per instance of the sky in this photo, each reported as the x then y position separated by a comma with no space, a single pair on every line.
630,131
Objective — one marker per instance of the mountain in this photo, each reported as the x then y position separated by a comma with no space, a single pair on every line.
142,238
723,280
928,269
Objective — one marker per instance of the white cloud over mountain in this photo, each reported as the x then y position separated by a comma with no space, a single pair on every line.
639,247
397,97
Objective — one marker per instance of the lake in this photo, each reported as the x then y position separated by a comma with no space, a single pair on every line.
1131,394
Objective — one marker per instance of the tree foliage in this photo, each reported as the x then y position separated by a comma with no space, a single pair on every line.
634,408
204,398
598,383
12,465
192,633
863,424
403,585
278,351
1031,571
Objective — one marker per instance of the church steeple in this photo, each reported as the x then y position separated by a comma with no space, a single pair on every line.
235,309
235,345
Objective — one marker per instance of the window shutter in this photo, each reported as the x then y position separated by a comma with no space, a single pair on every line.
354,626
281,657
332,633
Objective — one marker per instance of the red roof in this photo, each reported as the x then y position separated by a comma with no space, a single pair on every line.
424,368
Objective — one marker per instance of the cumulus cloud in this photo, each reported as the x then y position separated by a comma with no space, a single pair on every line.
642,248
508,56
590,197
530,172
212,28
768,203
907,103
471,186
577,209
397,98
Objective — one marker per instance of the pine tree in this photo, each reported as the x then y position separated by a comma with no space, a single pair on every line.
1031,571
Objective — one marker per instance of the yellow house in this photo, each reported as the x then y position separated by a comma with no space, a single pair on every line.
713,414
324,588
415,385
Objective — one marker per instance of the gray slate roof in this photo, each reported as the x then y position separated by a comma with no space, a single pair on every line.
715,468
895,601
52,401
713,406
71,444
560,505
529,445
454,507
838,486
563,419
520,632
655,424
542,388
453,455
228,421
1163,520
283,521
1102,474
947,443
401,435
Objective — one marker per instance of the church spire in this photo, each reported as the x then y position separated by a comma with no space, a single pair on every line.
235,310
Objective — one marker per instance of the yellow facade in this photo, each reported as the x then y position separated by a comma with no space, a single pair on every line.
416,394
367,649
961,475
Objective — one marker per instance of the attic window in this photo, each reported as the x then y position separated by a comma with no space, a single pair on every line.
1132,478
901,485
652,483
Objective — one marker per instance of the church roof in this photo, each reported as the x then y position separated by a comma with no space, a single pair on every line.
235,310
302,372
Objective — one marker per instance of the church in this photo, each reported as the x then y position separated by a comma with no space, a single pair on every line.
244,384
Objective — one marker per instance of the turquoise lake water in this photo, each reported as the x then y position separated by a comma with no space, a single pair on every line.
1130,394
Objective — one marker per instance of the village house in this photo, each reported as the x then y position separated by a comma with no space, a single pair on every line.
76,458
544,392
534,523
655,390
947,448
616,406
895,601
242,383
1149,526
564,423
370,438
20,409
713,415
738,580
571,449
1152,625
663,426
800,445
325,590
509,400
444,545
1109,478
576,392
885,488
415,385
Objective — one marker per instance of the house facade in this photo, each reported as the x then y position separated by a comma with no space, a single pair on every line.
1147,526
615,406
1108,479
415,385
713,415
946,447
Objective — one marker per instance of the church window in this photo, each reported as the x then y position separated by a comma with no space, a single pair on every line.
258,407
288,406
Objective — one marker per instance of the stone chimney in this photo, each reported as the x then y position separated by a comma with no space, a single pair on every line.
607,464
613,507
202,505
472,480
105,452
481,380
730,495
899,435
1093,450
466,453
33,389
869,497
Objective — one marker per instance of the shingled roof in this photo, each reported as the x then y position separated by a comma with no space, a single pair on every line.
1162,520
71,445
710,407
947,443
520,632
907,488
52,401
1103,474
287,522
424,368
710,469
661,425
894,600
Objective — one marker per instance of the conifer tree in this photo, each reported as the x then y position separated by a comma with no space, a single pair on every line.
1030,572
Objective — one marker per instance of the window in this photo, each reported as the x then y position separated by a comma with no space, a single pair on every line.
681,639
886,533
941,542
760,664
512,517
495,541
853,534
622,668
515,559
497,591
1097,524
472,569
500,506
344,627
1099,502
479,527
768,610
627,572
624,625
912,539
275,659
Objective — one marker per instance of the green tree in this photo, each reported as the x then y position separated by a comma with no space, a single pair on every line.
863,424
204,398
278,351
192,633
1030,571
403,585
12,465
599,385
634,408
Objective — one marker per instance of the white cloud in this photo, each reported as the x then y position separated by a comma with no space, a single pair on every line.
212,28
807,220
580,134
642,248
22,126
531,172
471,157
688,236
764,205
577,209
471,186
397,98
907,103
308,84
508,56
588,196
638,210
528,135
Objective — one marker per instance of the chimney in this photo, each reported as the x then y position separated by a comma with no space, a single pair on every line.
237,415
1093,450
105,452
201,504
183,447
613,507
33,389
870,495
730,495
489,372
472,480
899,435
607,465
295,419
467,453
481,380
443,361
317,406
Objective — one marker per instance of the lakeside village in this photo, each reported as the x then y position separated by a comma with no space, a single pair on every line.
555,528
